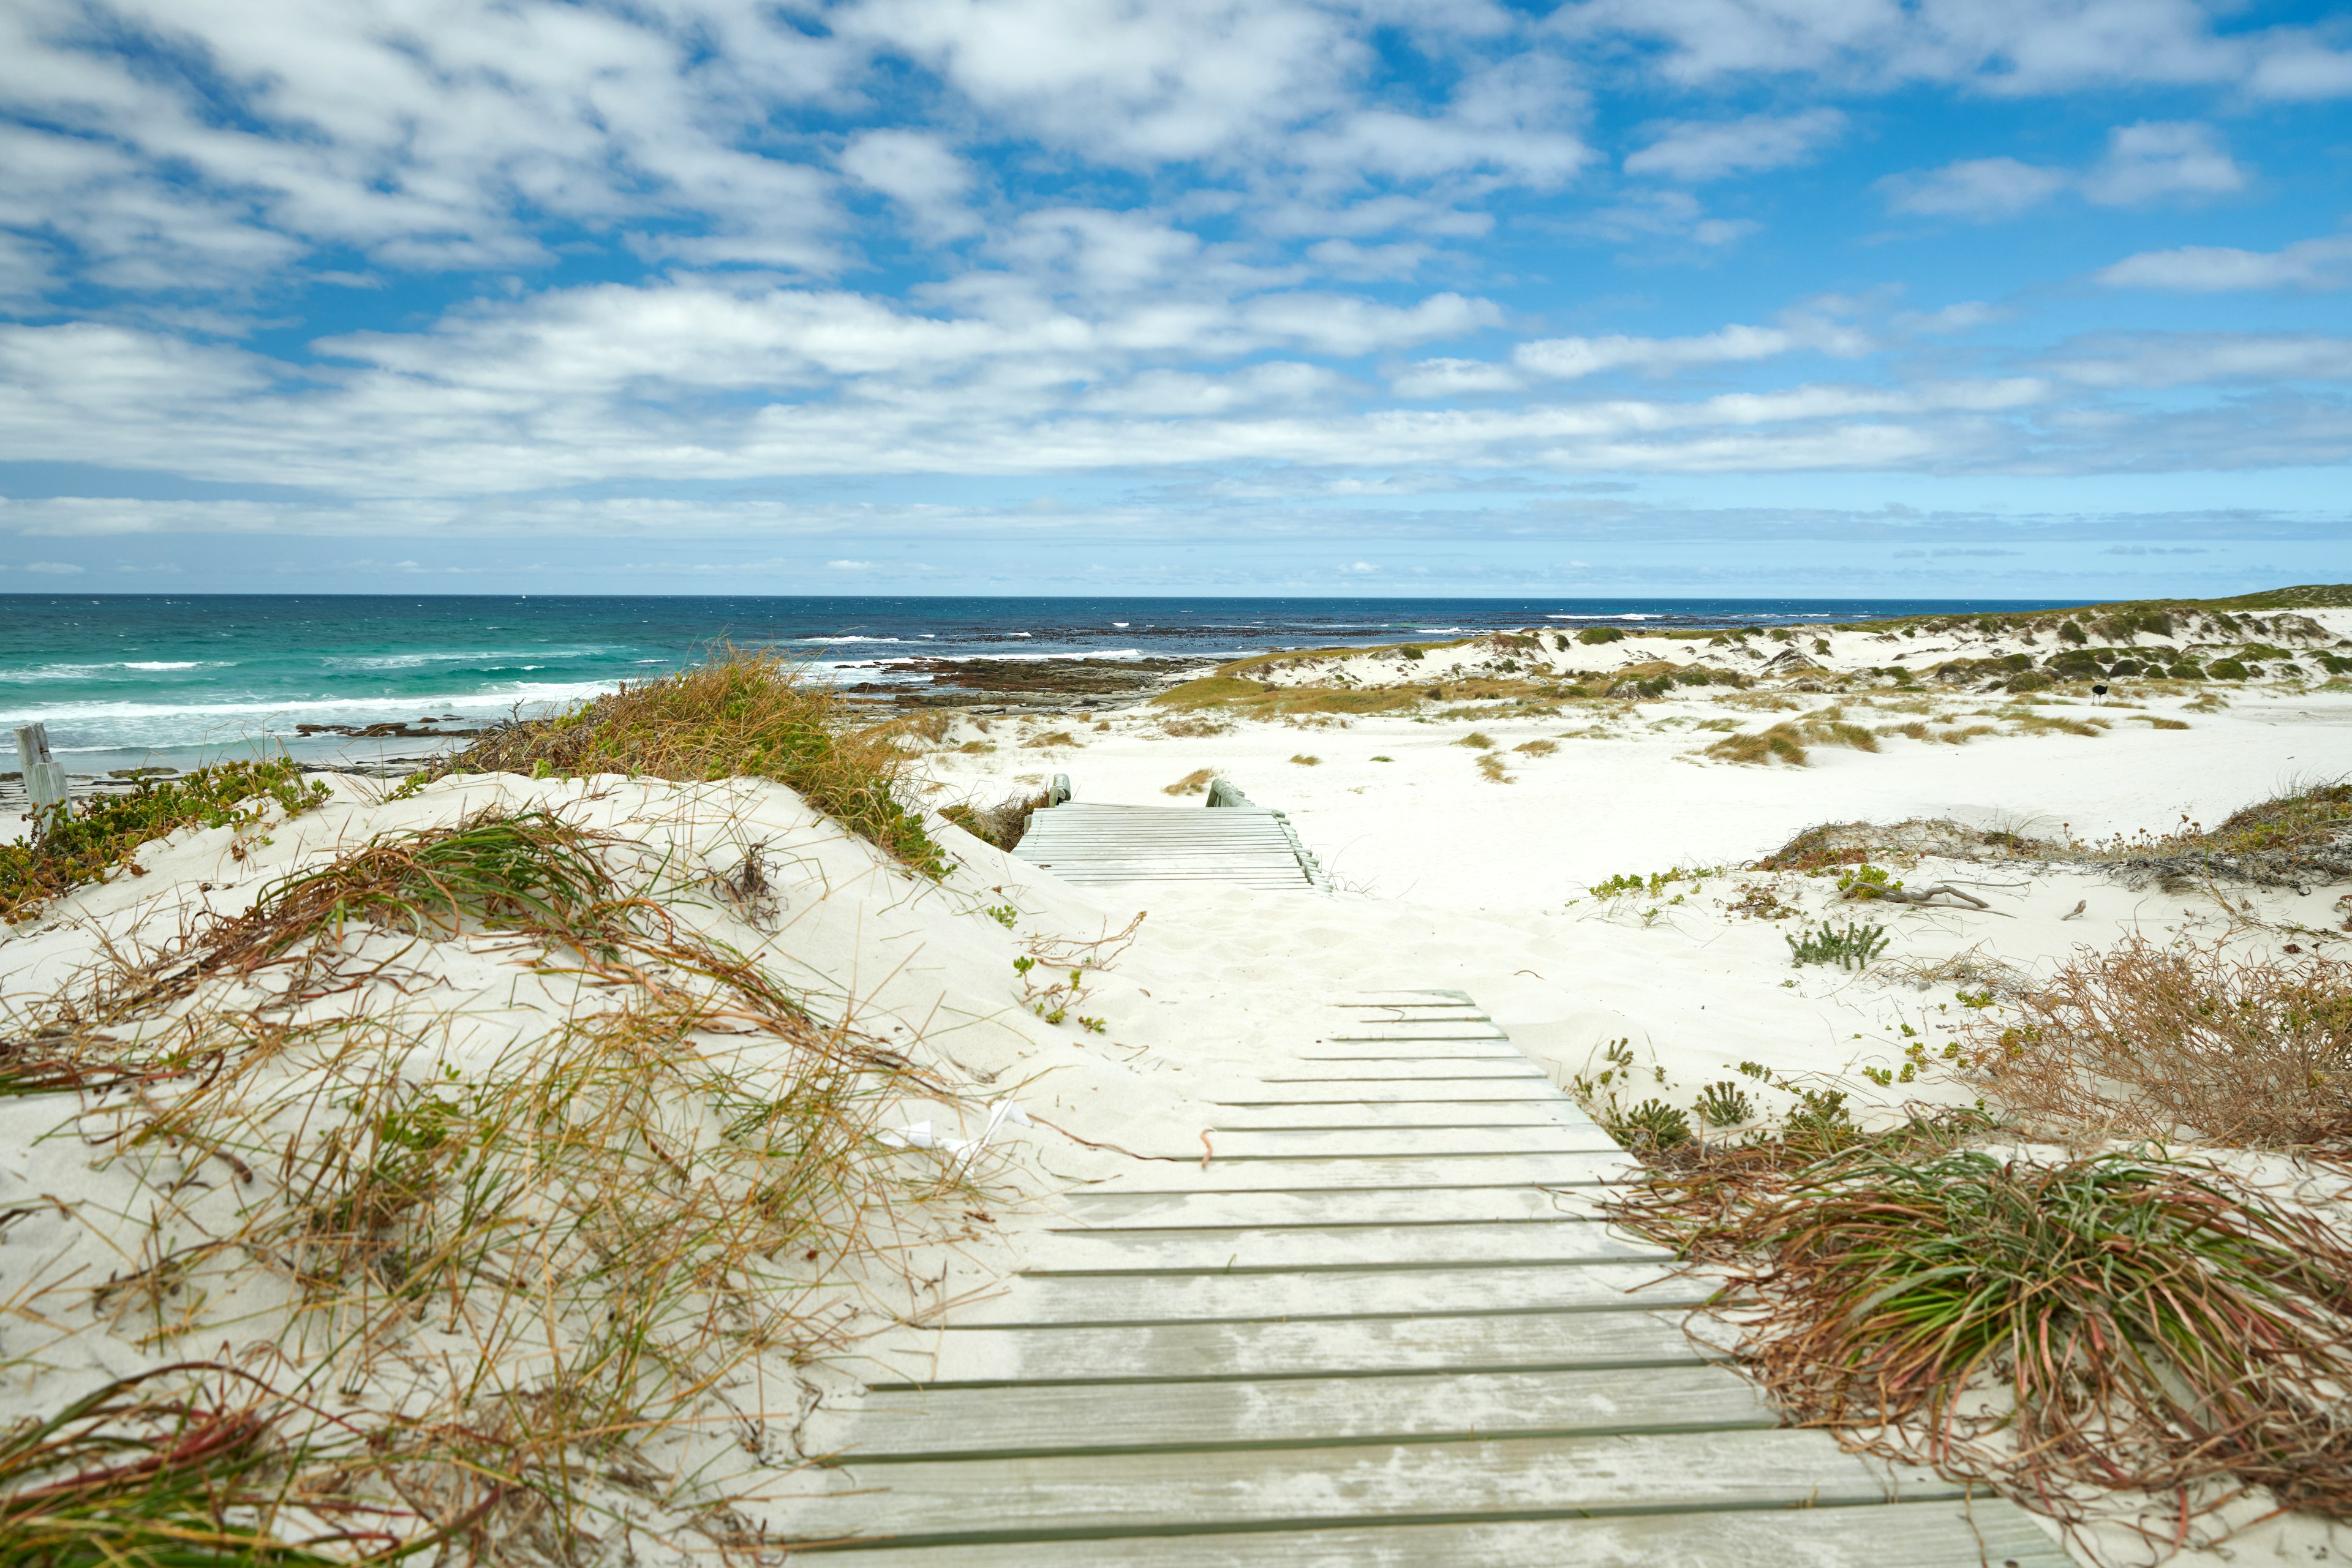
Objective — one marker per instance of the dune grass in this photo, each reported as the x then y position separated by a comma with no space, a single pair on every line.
735,715
2122,1321
1006,824
631,1223
103,834
2147,1040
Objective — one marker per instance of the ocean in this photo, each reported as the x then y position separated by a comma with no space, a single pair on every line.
130,681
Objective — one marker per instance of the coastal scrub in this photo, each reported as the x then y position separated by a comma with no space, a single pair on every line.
736,715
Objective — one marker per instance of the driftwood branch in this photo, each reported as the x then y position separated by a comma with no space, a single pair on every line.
1927,896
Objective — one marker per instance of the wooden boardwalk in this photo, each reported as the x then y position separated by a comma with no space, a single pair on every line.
1095,845
1381,1326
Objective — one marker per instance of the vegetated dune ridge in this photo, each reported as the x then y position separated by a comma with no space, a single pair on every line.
1573,841
571,1228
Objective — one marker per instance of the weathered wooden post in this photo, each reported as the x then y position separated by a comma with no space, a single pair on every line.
1059,795
45,779
1226,793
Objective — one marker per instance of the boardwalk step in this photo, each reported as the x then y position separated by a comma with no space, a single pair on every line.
1488,1341
1909,1535
924,1423
1526,1478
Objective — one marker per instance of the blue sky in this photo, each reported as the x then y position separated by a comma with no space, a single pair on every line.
2009,298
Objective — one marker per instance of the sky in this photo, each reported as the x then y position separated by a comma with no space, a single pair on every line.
2025,298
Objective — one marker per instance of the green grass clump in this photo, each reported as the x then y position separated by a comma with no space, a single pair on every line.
103,834
121,1479
2145,1323
1851,947
736,715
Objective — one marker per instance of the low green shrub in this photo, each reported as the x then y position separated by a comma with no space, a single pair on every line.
104,833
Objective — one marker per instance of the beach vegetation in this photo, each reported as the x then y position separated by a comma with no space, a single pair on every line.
1537,748
1592,636
624,1221
735,715
1304,761
103,835
2146,1040
1490,768
2119,1320
1851,946
1192,782
1006,822
1476,738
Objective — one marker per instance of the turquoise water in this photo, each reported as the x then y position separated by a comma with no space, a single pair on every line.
126,681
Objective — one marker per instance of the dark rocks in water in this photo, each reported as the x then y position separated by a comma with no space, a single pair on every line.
967,682
391,731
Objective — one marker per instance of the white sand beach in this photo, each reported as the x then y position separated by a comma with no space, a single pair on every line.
1469,844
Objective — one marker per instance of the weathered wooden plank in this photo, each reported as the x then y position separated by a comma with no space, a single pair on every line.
1400,1071
1494,1049
1418,1029
1360,1113
1334,1293
1939,1534
905,1425
1485,1342
1406,1143
1307,1092
1241,1249
1529,1478
1438,1171
1382,1206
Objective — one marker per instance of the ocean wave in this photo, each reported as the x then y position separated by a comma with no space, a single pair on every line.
525,691
459,655
1604,618
848,640
86,671
161,664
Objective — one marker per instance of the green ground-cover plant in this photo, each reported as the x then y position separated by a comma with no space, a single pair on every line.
2125,1320
1851,946
102,834
735,715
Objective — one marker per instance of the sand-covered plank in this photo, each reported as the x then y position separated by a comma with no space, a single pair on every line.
1934,1534
1307,1092
1402,1206
1432,1170
1235,1250
1489,1341
1529,1113
917,1423
1334,1293
1250,1143
1514,1477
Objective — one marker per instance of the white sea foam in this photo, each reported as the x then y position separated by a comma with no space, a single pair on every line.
850,640
161,664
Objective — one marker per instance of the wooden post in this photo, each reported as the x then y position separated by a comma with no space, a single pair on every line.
44,780
1060,793
1224,792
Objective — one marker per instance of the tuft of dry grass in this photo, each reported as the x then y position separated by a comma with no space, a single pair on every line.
2144,1041
2155,722
1478,740
1537,748
2124,1321
1192,783
1490,768
520,1258
736,715
1304,761
1005,823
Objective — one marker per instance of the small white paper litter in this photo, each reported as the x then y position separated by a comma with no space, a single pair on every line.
922,1135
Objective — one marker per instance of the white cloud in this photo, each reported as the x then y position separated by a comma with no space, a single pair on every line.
54,568
2016,47
2150,360
919,172
1454,378
2154,159
1709,149
2325,263
1983,189
1566,358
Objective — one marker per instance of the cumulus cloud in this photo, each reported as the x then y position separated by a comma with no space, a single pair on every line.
2186,359
2144,163
1566,358
919,172
1710,149
2154,159
2323,263
1984,190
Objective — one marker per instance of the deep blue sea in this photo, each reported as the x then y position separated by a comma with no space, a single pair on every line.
125,680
